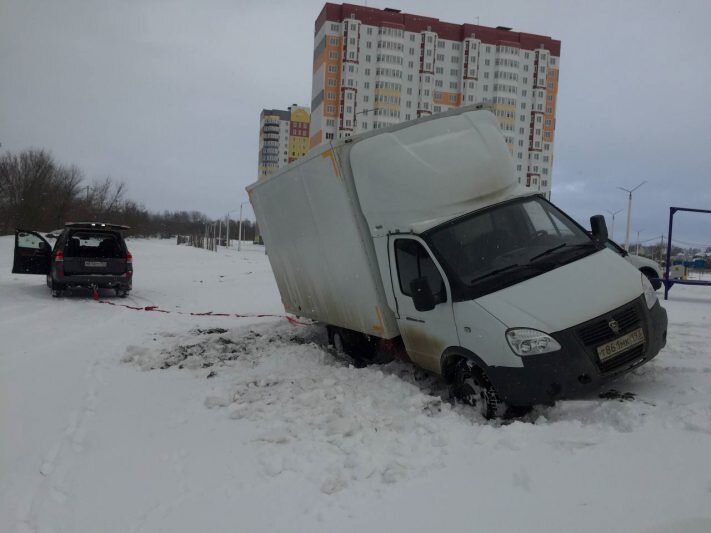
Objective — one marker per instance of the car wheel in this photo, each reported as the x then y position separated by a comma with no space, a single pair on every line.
472,387
57,289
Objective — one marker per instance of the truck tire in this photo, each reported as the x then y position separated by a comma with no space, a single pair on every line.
472,387
355,345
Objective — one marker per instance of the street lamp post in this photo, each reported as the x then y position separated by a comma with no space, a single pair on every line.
629,212
612,229
227,217
239,229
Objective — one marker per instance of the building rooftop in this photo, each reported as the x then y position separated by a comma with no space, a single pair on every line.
446,30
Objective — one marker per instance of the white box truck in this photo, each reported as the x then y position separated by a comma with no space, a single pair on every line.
417,240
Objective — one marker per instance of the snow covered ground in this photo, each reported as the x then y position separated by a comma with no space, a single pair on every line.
118,420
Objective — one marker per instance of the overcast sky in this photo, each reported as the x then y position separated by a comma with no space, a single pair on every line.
165,95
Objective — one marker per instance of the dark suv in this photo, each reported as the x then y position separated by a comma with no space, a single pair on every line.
85,254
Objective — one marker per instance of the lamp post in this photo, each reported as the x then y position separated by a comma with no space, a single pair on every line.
629,212
612,229
239,229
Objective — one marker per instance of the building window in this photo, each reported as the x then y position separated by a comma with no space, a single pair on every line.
334,41
335,27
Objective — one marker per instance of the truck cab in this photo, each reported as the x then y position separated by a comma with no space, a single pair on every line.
518,304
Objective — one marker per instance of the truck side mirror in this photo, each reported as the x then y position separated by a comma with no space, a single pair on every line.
422,295
599,228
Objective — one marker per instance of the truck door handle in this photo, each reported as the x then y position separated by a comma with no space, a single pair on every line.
414,319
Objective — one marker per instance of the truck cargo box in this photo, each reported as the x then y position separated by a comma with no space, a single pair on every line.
319,216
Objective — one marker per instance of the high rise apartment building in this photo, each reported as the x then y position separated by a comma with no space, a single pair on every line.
283,137
373,68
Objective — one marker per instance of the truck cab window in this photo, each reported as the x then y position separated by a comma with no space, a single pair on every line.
546,220
413,261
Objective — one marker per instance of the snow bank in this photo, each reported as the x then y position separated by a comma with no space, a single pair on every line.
318,415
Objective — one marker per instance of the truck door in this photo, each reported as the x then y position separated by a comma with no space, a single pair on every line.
426,334
32,253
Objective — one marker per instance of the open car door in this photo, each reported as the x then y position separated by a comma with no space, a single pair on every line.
32,253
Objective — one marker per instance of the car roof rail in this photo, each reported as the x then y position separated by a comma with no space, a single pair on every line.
96,225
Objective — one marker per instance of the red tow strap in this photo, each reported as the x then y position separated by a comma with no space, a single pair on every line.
156,309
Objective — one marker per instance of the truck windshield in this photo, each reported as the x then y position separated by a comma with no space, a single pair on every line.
505,244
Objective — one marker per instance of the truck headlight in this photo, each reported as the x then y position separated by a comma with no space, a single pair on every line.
525,341
650,295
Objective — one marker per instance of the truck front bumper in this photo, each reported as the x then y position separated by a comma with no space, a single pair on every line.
576,369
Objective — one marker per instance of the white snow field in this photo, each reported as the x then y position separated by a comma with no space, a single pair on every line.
121,420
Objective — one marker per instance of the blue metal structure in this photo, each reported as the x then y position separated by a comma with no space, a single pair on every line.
668,283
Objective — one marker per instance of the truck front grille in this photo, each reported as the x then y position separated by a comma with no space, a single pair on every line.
598,331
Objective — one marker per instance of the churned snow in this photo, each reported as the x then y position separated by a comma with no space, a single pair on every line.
119,420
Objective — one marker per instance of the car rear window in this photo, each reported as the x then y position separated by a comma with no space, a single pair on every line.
94,244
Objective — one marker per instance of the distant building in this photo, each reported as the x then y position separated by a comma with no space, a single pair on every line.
283,137
373,68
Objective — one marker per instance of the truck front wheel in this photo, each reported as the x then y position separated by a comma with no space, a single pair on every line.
471,386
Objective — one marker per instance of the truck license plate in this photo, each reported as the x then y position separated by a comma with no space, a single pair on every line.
620,344
95,263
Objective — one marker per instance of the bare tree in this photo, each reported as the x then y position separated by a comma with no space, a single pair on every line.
34,190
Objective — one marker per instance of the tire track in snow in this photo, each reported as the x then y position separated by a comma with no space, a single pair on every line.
45,507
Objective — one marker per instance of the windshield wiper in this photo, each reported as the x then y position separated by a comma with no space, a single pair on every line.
555,248
548,251
494,272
